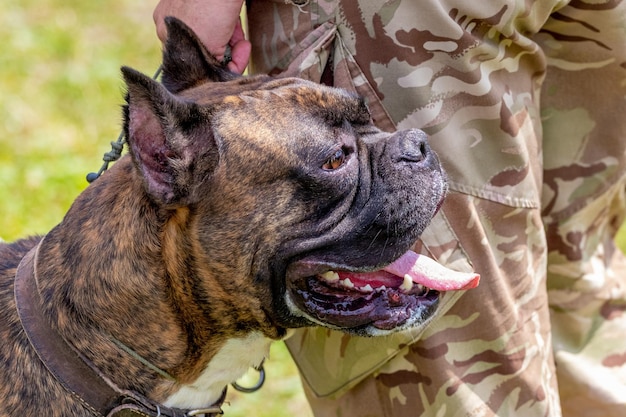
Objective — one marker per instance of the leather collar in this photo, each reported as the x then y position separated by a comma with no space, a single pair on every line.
71,369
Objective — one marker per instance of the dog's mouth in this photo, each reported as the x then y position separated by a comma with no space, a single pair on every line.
403,294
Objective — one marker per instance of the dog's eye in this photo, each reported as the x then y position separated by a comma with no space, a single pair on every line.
335,161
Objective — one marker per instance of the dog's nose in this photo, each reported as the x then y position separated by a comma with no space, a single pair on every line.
413,146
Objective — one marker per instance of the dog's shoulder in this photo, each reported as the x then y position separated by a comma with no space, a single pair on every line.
12,253
10,256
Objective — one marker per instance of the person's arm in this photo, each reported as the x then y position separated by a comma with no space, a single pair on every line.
215,22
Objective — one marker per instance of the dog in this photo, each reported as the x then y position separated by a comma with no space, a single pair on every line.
245,207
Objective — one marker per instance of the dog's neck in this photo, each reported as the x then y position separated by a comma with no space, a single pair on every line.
155,307
229,364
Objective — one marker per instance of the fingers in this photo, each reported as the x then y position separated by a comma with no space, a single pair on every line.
159,22
216,23
240,50
240,53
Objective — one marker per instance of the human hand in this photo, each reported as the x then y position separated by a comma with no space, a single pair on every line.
215,22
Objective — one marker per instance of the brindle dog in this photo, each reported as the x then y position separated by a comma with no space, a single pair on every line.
245,207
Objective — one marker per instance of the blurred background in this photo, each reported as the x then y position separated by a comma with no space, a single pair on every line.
60,97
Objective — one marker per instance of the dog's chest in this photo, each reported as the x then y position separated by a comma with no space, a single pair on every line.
230,363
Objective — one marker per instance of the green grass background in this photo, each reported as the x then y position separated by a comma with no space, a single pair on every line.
60,98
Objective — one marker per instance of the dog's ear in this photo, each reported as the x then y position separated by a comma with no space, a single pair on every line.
170,140
186,62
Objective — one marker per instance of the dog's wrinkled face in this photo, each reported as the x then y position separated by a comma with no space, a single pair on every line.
328,191
297,197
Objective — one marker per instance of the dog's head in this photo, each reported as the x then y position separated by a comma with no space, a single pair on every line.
299,205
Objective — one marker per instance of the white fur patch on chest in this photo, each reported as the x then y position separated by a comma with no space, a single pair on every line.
230,363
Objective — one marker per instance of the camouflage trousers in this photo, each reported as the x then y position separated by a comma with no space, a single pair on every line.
525,103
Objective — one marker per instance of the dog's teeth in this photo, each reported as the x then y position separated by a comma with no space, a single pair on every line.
330,276
367,288
347,283
407,284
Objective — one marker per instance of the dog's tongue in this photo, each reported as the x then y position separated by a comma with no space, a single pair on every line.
425,271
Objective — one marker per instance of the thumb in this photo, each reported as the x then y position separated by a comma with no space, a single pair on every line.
240,54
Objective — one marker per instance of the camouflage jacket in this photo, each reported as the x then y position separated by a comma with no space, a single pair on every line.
524,102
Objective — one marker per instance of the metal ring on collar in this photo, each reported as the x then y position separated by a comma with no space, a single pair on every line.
256,386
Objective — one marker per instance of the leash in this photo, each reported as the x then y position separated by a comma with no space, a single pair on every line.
116,147
75,372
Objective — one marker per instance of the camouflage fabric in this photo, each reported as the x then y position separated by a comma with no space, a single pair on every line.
524,101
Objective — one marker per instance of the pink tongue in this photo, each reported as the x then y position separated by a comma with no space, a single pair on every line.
429,273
